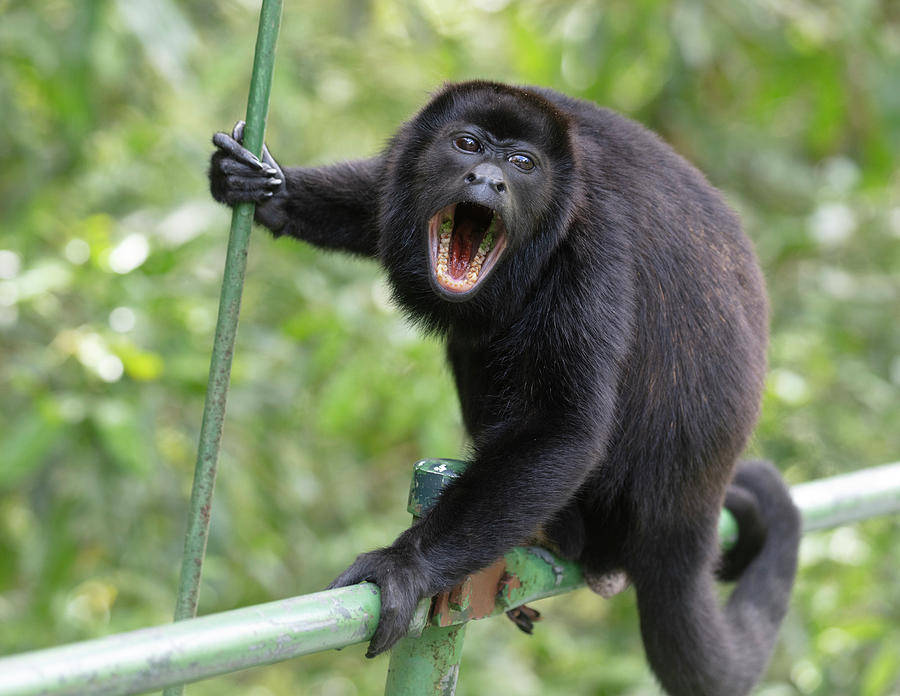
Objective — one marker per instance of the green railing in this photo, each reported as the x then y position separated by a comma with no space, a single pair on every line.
425,663
427,660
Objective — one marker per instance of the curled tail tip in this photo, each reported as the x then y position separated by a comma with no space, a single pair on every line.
766,516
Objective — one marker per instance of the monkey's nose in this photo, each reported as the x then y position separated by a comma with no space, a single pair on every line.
487,174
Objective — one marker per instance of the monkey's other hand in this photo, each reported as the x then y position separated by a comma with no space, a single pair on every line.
400,574
236,175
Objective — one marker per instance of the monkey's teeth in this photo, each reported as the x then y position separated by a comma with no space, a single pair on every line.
443,258
475,268
442,267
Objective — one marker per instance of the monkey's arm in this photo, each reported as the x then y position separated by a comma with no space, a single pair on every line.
332,207
514,485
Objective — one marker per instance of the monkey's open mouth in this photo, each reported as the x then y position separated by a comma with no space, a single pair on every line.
465,240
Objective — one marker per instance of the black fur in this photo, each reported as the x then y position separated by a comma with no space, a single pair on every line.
609,368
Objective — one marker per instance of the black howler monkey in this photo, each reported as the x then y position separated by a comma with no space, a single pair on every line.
606,325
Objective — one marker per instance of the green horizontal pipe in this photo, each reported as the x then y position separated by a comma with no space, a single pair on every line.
147,659
185,651
859,495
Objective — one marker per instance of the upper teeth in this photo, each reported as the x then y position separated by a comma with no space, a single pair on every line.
444,247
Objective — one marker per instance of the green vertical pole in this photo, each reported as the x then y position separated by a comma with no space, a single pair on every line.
427,665
226,329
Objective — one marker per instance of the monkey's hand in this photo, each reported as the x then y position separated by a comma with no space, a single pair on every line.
236,175
401,574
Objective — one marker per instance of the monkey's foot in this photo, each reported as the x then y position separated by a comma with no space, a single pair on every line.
524,617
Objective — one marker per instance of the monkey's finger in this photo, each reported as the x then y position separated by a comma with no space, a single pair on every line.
396,614
239,189
238,134
381,641
230,165
227,144
524,617
353,575
345,579
270,162
385,635
269,178
391,628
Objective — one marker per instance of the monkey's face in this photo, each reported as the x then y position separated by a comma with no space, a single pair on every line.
485,193
479,191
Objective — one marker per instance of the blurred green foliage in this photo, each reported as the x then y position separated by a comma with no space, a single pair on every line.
110,261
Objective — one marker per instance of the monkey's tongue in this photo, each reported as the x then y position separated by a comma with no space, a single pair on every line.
470,240
460,249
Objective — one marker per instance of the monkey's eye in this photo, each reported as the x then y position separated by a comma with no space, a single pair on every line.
523,162
467,143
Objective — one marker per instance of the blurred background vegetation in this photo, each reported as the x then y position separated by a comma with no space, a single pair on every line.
111,254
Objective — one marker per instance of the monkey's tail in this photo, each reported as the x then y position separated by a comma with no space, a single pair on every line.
695,646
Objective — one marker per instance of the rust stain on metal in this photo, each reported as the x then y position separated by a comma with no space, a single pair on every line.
484,586
460,595
440,609
473,598
508,583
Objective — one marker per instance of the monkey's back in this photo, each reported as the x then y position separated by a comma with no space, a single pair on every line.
690,389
